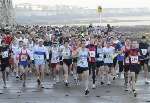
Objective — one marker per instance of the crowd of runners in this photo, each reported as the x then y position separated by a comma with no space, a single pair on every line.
85,53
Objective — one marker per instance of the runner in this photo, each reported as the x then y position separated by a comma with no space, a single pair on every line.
55,62
47,44
120,60
67,61
4,60
30,46
40,54
126,51
16,59
134,66
143,46
108,61
13,47
82,66
92,61
100,62
24,56
75,47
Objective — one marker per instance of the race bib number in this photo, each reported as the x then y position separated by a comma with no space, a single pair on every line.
134,59
55,59
144,51
108,56
39,57
24,57
92,53
5,54
83,61
101,57
127,60
66,54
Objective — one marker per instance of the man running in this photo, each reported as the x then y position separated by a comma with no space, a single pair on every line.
100,61
143,46
92,60
126,51
108,61
24,56
40,54
4,59
55,61
134,66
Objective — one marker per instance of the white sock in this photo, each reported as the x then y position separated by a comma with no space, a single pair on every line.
102,78
66,81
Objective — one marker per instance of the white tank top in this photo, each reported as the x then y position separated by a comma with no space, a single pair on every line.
100,54
83,58
66,53
109,52
55,55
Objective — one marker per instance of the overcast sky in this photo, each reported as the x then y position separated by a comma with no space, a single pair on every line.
91,3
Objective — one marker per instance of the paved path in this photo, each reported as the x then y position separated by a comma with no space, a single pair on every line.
74,94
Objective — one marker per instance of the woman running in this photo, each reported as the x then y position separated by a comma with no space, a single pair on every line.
100,62
126,51
134,66
82,66
67,61
55,61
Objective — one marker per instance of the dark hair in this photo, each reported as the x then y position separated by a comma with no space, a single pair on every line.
66,41
127,39
82,41
143,37
20,41
3,41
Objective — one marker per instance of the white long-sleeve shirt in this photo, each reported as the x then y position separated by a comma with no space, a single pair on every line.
16,51
39,53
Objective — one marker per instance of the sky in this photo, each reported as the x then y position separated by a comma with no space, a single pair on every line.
91,3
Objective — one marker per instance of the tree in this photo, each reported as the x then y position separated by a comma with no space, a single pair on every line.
6,13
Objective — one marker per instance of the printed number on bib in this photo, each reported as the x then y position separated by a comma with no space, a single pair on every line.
108,56
66,54
23,58
127,60
134,59
101,56
83,61
5,54
92,53
144,51
39,57
55,59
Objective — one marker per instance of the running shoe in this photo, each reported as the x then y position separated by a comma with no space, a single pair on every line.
39,82
87,92
94,86
102,83
134,92
5,86
108,83
66,84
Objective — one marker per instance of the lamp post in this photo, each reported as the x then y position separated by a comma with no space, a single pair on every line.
99,9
